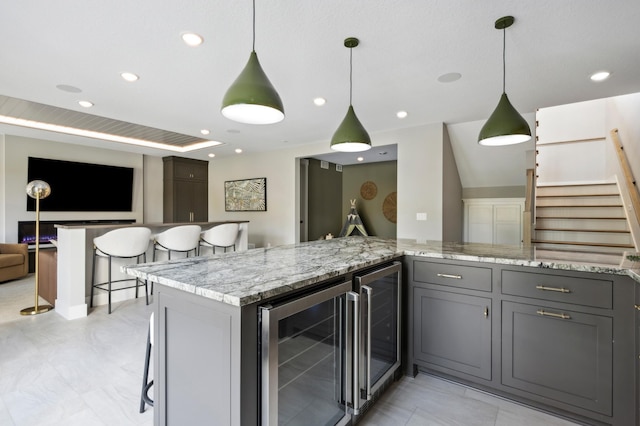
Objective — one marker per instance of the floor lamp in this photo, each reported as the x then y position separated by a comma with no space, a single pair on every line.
37,189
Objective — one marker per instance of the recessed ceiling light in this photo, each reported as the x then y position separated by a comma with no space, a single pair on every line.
360,158
319,101
192,39
129,76
238,151
449,77
600,76
402,114
85,104
212,155
205,131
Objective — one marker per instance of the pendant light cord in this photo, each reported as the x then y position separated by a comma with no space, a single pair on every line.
253,45
350,75
504,66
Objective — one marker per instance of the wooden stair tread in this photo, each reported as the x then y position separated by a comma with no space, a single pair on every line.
573,206
577,243
583,218
616,231
576,195
573,185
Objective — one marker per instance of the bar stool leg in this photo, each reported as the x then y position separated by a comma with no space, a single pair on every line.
109,285
93,278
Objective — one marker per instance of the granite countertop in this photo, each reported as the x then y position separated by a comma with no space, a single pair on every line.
245,277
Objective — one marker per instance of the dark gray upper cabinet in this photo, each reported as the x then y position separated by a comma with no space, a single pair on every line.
186,186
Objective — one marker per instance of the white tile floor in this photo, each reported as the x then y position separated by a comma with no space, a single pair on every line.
89,372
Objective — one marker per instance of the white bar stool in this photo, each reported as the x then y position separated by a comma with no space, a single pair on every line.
146,384
223,236
123,243
181,239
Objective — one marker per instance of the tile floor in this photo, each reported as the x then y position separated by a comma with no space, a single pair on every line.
89,372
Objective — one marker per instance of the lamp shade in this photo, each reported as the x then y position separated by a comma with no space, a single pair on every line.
351,135
38,189
252,99
505,126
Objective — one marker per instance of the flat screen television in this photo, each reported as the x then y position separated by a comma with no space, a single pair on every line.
81,187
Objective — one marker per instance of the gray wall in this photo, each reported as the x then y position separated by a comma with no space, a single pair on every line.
325,195
453,209
384,175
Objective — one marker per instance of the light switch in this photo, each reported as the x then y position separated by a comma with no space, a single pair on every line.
421,216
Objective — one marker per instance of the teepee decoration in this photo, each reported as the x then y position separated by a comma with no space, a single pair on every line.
353,225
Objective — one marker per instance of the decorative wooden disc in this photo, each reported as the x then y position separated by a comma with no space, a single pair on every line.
368,190
389,207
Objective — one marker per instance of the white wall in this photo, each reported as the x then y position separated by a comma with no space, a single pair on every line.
17,149
623,113
419,185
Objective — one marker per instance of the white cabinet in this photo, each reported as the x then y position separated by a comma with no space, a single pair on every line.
493,220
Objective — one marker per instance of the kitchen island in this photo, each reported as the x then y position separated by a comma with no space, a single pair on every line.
207,310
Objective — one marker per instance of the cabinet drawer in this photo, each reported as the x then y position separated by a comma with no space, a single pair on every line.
563,358
471,277
559,288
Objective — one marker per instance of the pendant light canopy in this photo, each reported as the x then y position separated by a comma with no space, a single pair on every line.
252,99
505,126
351,135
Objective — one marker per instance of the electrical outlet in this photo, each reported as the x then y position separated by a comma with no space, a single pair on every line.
421,216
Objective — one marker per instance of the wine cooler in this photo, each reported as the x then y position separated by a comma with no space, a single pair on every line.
326,354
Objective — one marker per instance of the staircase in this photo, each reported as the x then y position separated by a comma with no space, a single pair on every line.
588,218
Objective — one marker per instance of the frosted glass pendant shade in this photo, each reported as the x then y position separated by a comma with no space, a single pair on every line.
38,189
252,99
351,135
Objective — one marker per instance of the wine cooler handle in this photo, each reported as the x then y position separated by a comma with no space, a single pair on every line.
354,386
368,291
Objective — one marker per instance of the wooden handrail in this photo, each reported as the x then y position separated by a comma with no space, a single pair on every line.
628,173
527,215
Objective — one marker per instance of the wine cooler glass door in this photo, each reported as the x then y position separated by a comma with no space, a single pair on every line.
304,372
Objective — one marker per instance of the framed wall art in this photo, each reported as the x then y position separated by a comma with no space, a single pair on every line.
246,195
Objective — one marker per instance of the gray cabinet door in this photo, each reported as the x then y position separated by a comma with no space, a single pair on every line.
558,355
452,332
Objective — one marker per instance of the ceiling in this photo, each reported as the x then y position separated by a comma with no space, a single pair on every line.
405,46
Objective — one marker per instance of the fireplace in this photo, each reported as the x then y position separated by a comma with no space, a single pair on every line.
27,232
48,231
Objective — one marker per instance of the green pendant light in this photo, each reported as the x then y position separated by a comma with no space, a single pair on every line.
252,99
351,135
505,126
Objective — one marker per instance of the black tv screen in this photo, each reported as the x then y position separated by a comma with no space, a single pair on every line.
82,187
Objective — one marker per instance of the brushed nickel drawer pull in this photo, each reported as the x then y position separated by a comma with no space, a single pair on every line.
554,315
457,277
559,290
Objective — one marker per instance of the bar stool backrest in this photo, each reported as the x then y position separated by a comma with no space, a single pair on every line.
224,235
124,242
180,238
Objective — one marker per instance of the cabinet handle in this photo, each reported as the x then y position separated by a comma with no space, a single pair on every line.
559,290
486,311
457,277
637,307
554,315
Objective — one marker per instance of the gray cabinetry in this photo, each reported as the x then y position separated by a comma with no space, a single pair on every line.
185,195
563,341
452,332
451,321
558,355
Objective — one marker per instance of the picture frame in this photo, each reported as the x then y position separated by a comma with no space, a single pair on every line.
245,195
